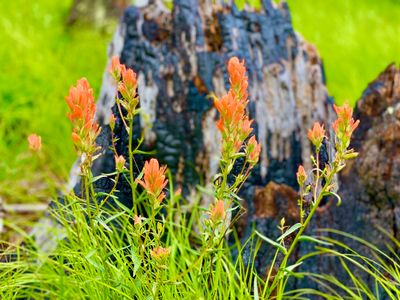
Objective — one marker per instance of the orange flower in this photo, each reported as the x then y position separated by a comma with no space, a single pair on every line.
253,150
116,68
112,122
154,180
301,175
80,100
316,135
35,142
217,212
345,111
160,254
127,87
119,163
238,78
234,123
137,220
345,125
75,138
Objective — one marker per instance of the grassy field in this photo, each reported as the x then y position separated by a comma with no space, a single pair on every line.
40,58
357,39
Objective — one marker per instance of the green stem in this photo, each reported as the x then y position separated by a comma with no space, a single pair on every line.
301,230
131,166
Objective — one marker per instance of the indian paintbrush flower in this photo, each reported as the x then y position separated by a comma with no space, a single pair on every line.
127,85
217,212
344,126
253,150
81,103
234,124
316,135
119,163
35,142
160,254
301,175
116,68
154,180
238,78
112,122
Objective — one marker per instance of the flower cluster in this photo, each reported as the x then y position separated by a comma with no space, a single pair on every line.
344,126
154,181
81,103
234,124
127,86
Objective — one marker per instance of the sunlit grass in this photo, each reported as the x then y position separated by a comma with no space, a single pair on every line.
40,58
357,39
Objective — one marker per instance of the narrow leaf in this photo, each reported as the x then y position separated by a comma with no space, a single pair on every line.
271,242
289,231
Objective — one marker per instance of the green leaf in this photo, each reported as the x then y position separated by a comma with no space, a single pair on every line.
136,261
255,288
92,262
271,242
289,231
306,238
337,197
292,267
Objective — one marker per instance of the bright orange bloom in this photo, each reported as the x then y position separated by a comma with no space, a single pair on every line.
316,134
35,142
217,212
345,124
127,87
345,111
301,175
119,162
253,149
80,100
154,180
238,78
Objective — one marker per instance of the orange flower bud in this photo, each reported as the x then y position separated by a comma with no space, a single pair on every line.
112,122
160,254
345,125
116,68
253,150
217,212
75,138
316,135
119,163
154,180
301,175
137,220
238,78
35,142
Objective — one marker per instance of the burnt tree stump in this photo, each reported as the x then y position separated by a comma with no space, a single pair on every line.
180,57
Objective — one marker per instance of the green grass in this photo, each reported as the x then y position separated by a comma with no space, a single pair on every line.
40,58
357,39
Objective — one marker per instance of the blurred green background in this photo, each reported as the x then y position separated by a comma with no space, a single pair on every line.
40,57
